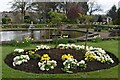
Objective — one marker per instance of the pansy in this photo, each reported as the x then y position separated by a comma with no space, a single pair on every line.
20,59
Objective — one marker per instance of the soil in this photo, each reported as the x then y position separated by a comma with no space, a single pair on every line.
55,54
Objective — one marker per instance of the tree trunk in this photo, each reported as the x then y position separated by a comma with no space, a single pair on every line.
86,38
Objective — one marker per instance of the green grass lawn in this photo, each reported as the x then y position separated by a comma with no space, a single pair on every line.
110,45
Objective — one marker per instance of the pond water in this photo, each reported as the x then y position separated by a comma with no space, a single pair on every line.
37,35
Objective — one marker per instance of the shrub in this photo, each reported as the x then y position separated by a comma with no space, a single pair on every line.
24,43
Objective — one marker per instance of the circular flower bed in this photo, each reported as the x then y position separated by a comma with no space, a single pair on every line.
66,58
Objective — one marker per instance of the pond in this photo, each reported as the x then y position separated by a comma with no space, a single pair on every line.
38,34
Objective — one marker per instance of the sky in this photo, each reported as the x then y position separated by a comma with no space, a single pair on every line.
105,5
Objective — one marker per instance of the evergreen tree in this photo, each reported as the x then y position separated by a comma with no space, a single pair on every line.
117,20
112,12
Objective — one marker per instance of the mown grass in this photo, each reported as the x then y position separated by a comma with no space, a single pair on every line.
110,45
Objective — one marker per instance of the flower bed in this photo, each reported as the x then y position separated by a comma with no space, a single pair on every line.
66,58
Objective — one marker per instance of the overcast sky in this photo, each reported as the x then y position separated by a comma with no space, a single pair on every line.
105,5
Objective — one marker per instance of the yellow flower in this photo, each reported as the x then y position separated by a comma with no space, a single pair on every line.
26,52
66,56
86,59
17,41
45,57
102,61
36,49
32,52
70,56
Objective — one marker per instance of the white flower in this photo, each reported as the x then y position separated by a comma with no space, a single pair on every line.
16,58
43,47
82,62
19,50
47,69
52,67
20,59
68,66
50,63
112,61
24,60
18,62
39,64
91,48
42,68
13,63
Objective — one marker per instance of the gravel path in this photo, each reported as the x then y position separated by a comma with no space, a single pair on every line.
104,34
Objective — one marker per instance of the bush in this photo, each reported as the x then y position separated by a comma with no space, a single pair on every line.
60,41
34,56
24,43
72,41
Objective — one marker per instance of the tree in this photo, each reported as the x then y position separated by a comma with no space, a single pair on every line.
93,7
20,6
117,20
84,6
112,12
6,20
42,9
100,19
56,18
74,11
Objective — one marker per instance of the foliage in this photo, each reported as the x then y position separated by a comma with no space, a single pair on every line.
60,40
20,6
108,73
112,12
100,19
96,38
82,65
69,65
72,41
46,63
6,20
27,19
117,20
85,18
56,18
24,43
33,55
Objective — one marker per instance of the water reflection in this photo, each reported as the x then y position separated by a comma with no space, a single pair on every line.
37,35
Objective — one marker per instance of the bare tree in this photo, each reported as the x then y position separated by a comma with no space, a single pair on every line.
20,6
93,7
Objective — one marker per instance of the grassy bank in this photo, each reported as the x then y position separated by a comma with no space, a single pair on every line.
107,73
